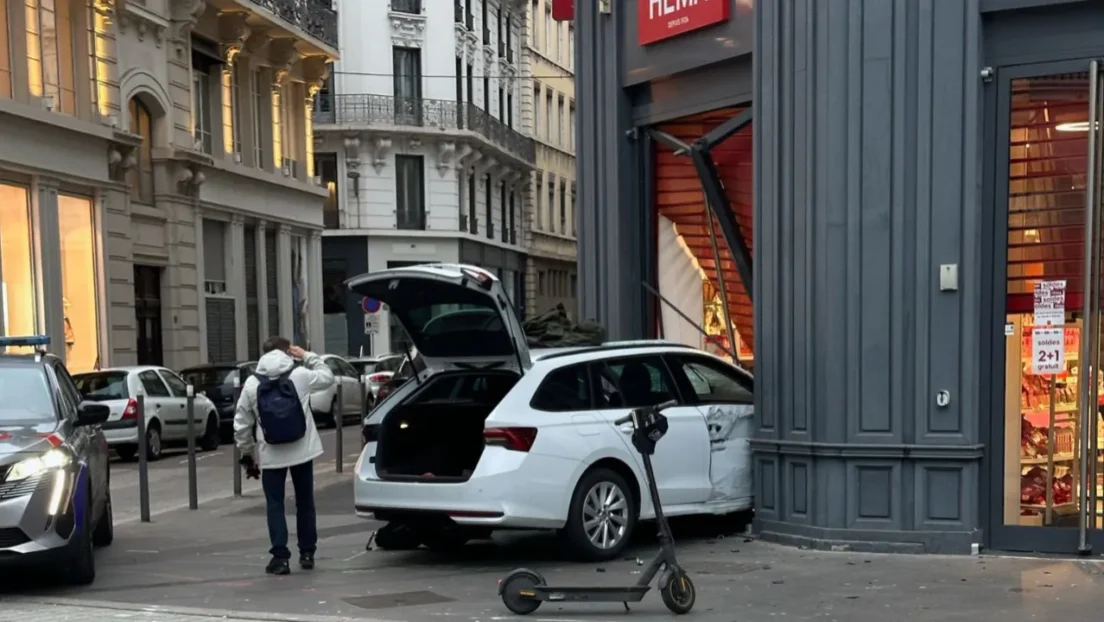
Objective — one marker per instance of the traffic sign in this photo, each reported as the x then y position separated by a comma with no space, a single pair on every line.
369,305
371,325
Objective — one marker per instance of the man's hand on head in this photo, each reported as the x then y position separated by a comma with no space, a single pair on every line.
297,353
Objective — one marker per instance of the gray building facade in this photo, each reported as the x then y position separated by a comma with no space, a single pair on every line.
919,167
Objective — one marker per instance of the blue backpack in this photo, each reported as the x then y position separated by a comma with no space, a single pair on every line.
279,410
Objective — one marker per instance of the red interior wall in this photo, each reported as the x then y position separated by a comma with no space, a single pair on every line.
679,198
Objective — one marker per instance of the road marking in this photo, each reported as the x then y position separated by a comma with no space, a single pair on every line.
352,557
143,551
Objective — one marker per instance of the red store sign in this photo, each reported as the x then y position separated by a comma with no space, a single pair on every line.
658,20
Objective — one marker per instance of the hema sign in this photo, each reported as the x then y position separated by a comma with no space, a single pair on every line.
662,19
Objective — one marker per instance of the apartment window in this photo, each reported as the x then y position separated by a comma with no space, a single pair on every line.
408,86
502,212
471,88
407,6
563,206
325,166
141,174
410,191
571,47
51,61
536,107
551,200
540,283
261,95
486,24
279,129
486,91
547,43
490,222
501,40
574,210
5,55
473,221
571,125
534,13
538,198
501,103
561,109
509,40
231,111
548,116
510,110
513,217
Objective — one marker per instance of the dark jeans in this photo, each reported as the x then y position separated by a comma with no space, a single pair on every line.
306,523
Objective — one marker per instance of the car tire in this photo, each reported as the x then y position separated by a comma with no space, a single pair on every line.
211,436
82,565
104,534
153,441
589,502
397,537
126,453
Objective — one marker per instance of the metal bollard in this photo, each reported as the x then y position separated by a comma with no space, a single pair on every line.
365,398
339,429
237,452
143,460
193,490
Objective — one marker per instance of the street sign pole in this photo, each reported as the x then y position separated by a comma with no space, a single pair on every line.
193,490
237,452
143,460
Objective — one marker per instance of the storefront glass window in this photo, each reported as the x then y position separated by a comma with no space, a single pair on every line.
17,290
78,283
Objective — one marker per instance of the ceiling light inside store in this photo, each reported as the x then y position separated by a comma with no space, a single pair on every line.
1076,126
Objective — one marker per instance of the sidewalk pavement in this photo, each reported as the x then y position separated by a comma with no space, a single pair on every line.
186,565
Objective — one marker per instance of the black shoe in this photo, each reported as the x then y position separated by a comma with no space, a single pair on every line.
278,566
306,561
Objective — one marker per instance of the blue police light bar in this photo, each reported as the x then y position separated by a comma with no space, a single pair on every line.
28,341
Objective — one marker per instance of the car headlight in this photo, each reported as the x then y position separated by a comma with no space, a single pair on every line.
52,459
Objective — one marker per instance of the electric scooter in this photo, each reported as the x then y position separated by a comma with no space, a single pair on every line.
524,590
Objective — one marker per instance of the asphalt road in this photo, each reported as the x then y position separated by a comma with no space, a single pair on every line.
168,477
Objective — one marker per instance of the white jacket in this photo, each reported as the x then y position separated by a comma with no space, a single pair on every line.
313,375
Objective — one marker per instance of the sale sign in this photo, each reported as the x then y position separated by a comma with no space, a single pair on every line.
1048,351
1050,303
662,19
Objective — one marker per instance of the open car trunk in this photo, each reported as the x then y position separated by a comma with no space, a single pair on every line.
436,434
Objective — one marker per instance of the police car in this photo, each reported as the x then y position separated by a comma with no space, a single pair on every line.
55,496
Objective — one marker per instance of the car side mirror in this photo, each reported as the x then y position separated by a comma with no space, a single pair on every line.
91,413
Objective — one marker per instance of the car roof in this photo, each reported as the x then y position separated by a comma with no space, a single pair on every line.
130,369
235,365
552,358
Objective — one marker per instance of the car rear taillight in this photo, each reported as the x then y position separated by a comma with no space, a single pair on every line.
369,433
514,439
384,391
377,378
131,411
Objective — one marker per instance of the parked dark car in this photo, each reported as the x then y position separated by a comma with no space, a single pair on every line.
216,381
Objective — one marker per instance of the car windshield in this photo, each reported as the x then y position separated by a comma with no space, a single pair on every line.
208,378
25,396
103,386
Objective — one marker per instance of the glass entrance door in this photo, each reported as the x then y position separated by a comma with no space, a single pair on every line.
1048,184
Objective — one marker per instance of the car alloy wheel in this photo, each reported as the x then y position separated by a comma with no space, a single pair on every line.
606,511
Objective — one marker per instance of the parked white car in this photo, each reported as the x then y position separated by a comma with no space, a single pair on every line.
324,403
489,436
377,370
165,404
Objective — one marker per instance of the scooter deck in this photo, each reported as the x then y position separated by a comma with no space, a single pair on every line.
604,594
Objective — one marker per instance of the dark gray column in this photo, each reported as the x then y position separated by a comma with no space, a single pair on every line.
867,129
613,220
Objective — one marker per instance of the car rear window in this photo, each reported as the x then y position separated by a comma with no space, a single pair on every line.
103,386
207,378
25,396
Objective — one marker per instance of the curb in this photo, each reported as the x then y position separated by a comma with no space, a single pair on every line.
221,614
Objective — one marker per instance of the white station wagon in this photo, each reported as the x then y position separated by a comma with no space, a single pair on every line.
487,438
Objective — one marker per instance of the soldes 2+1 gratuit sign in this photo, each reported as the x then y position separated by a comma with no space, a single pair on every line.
662,19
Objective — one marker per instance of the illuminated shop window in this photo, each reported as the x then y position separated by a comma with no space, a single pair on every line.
78,283
5,55
17,290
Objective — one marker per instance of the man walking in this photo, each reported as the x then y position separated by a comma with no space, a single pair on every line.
274,429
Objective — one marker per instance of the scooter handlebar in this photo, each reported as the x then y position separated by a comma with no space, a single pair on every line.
657,408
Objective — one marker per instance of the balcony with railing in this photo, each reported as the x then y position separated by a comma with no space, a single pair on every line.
431,114
315,17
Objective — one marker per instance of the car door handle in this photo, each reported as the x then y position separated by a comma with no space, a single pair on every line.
626,429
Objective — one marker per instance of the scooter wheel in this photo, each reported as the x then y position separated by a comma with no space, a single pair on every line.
678,593
512,589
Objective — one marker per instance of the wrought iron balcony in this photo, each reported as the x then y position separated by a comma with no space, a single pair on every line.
316,17
439,114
